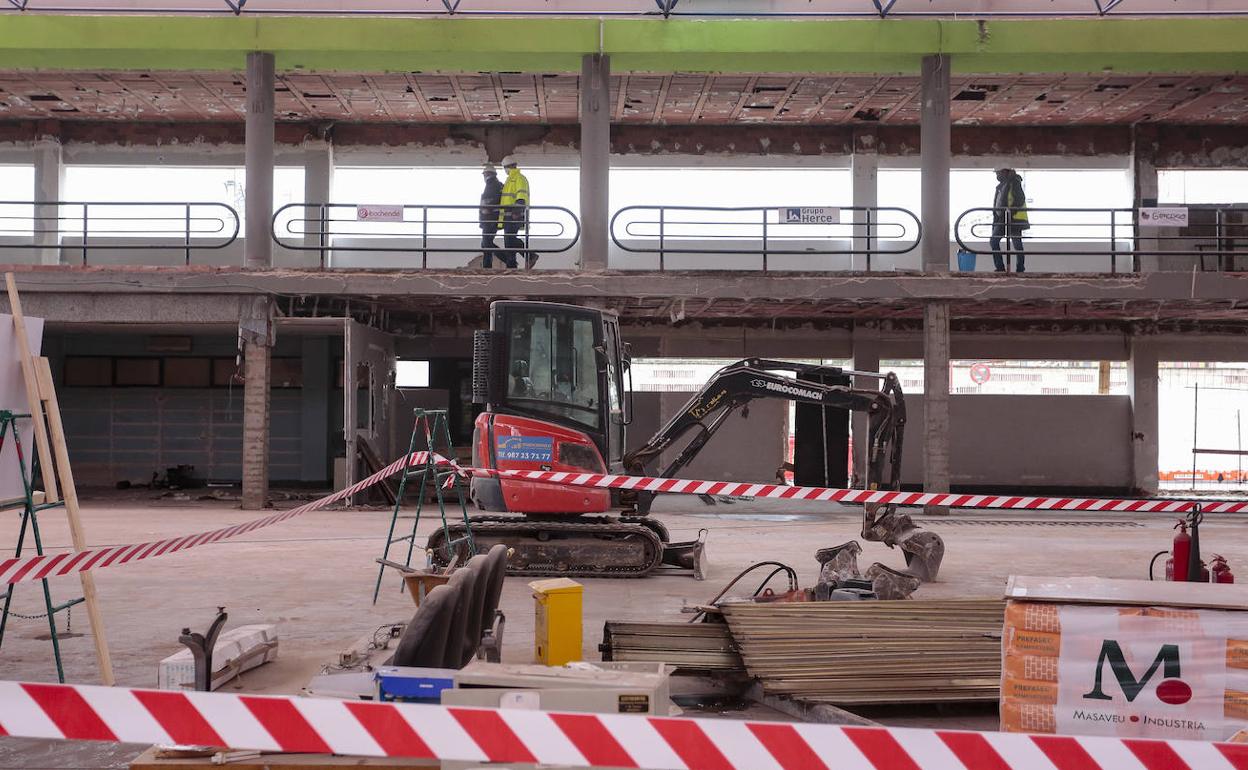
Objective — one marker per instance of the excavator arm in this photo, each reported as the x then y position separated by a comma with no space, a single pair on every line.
735,386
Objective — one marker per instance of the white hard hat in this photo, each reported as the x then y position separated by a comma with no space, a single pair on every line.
488,168
509,161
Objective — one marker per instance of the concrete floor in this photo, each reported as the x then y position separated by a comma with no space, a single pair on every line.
313,577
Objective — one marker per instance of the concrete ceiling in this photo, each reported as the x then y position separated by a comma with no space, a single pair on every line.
666,99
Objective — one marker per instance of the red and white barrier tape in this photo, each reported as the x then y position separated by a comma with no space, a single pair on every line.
17,570
323,726
862,496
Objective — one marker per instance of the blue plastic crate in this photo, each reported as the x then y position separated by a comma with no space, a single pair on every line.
413,685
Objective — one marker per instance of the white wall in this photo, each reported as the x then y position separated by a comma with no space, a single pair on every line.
1029,441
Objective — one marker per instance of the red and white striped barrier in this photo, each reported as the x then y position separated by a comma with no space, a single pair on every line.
18,570
307,725
862,496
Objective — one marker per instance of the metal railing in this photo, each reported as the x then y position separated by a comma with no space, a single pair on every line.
328,228
843,231
117,226
1114,232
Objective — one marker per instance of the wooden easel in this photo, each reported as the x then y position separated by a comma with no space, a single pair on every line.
50,443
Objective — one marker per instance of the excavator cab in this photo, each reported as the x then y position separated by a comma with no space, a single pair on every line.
551,379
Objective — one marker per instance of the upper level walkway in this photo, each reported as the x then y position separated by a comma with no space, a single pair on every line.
160,295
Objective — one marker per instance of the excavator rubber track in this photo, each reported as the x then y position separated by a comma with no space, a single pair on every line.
572,547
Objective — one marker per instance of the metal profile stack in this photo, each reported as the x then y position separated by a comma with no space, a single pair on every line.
686,646
855,653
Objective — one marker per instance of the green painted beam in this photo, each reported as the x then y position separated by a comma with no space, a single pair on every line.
372,44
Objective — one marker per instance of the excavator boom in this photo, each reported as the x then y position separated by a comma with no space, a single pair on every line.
733,387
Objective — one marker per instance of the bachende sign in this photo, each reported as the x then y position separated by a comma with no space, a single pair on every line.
379,213
1173,216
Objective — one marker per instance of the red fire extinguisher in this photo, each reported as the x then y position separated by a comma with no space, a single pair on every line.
1180,552
1221,572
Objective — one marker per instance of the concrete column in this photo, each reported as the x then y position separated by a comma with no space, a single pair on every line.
258,246
866,342
935,158
595,160
318,181
1146,192
864,171
49,187
1142,385
936,398
255,333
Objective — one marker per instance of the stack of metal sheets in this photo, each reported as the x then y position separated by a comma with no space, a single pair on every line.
687,646
868,652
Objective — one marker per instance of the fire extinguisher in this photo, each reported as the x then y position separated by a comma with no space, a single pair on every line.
1184,564
1221,572
1180,551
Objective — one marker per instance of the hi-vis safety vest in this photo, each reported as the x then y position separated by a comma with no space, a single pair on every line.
515,189
1016,201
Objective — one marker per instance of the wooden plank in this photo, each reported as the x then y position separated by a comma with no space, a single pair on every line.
56,430
852,653
374,464
150,760
1094,590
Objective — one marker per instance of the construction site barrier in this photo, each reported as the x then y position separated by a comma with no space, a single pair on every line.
868,496
88,226
765,231
358,728
329,228
17,570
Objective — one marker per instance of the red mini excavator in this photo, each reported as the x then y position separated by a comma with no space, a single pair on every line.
552,378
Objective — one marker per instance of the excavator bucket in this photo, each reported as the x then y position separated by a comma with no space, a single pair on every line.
690,555
888,583
924,550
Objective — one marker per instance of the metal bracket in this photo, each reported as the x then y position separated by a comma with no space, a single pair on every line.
884,7
666,6
1105,7
19,4
201,646
451,5
236,6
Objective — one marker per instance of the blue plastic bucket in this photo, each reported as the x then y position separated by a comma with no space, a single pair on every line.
966,261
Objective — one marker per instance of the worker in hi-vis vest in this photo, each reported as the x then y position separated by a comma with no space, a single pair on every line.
514,215
1009,220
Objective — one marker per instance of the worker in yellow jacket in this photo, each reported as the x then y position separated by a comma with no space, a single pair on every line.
1009,220
514,215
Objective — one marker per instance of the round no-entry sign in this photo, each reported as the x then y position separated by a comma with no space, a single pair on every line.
980,373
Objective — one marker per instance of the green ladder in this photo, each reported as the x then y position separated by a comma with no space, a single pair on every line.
432,425
30,518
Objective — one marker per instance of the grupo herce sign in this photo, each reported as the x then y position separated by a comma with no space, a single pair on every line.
1167,216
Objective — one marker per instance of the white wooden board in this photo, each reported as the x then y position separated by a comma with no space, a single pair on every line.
13,398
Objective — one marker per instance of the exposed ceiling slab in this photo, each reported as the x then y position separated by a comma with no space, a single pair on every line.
671,99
